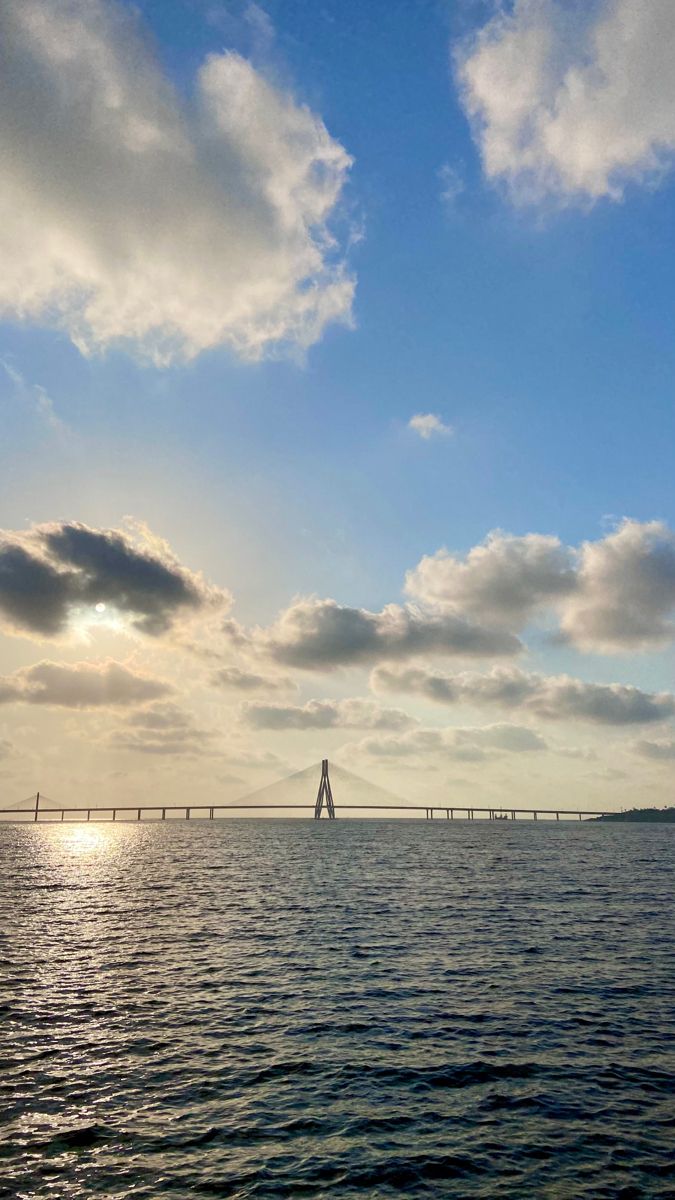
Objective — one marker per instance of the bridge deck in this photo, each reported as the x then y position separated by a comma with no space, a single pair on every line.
212,811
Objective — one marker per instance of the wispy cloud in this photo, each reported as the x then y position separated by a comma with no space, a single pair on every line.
36,398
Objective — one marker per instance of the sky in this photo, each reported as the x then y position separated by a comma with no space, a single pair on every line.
336,382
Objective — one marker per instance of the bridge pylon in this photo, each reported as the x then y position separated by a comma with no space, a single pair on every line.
324,793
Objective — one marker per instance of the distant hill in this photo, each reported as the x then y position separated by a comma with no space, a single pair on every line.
641,814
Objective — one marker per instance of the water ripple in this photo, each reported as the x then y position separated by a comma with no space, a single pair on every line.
291,1009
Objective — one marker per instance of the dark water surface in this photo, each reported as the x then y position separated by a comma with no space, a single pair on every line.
366,1008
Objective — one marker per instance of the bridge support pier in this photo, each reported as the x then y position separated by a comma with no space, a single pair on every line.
325,793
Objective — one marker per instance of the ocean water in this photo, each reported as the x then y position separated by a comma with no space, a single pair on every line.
360,1008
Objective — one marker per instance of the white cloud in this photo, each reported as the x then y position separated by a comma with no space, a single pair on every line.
131,217
35,397
617,593
503,581
428,425
572,100
625,593
452,184
554,697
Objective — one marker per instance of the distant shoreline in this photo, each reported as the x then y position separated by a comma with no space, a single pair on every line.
653,815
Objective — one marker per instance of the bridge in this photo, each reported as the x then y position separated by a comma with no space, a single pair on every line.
40,809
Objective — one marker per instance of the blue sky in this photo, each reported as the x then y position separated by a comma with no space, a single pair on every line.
531,311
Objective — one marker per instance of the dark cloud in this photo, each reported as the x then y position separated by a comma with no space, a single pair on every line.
81,685
325,714
56,570
317,635
556,697
34,595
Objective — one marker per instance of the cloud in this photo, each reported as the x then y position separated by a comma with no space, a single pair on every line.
81,685
452,184
553,697
466,744
503,581
35,397
162,729
237,680
517,739
54,571
428,425
325,714
664,750
617,593
319,635
625,591
131,216
572,100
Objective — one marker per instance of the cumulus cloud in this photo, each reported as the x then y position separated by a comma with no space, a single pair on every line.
325,714
554,697
572,100
503,581
131,216
321,634
237,680
81,685
616,593
54,571
428,425
162,729
468,744
625,592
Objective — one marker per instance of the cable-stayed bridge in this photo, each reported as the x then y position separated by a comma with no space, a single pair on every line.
308,792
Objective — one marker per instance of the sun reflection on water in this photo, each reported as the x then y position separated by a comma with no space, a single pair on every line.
86,839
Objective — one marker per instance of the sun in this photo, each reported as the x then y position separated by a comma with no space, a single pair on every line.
100,607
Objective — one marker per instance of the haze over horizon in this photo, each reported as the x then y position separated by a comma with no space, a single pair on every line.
336,374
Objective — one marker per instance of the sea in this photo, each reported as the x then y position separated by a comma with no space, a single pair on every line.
358,1008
